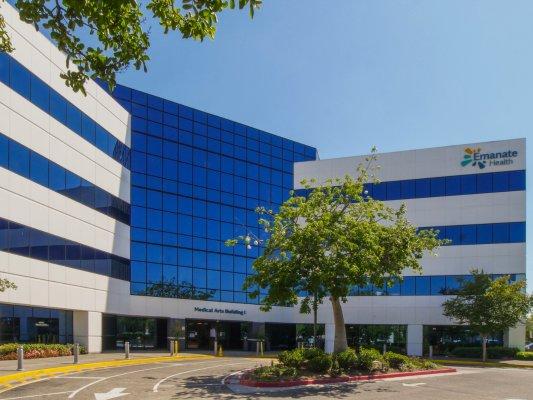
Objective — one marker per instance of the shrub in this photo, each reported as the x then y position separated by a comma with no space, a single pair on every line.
426,364
371,360
312,352
274,373
320,364
292,358
524,355
492,352
407,366
8,351
395,359
347,359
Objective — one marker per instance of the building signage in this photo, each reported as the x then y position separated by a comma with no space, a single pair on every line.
219,310
475,157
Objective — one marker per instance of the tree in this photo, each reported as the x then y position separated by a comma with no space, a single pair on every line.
101,38
330,241
489,306
5,284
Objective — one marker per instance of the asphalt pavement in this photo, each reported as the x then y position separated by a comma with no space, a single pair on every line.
203,379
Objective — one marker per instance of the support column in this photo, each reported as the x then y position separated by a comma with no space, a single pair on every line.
415,340
87,329
330,338
515,337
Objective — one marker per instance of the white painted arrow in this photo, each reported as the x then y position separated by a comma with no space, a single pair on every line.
112,394
413,384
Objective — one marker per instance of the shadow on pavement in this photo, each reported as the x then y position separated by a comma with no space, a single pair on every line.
210,387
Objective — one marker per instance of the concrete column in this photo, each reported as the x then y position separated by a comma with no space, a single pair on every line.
87,327
515,337
330,338
415,340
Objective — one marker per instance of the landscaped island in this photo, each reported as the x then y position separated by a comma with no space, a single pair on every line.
305,366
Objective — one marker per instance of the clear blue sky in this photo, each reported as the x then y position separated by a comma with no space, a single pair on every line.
346,75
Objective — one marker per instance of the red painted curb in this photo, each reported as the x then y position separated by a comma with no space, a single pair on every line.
342,379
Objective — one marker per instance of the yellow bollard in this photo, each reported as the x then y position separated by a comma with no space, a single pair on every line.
220,351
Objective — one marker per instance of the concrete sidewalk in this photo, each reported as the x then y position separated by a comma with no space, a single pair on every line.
8,367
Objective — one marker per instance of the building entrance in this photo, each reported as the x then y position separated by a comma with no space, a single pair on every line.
201,334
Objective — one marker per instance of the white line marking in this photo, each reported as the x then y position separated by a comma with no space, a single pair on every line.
77,377
413,384
127,373
156,386
36,395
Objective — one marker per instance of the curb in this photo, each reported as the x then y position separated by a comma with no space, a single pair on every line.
489,364
11,380
342,379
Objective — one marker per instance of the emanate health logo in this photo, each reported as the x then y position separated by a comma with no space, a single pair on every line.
475,157
468,158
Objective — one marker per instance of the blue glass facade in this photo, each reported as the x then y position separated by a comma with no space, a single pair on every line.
196,180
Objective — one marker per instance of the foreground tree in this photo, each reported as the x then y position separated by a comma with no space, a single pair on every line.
489,306
330,241
103,37
6,284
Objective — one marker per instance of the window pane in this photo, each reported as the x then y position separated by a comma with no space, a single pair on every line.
453,233
517,180
468,234
500,181
4,151
422,285
39,169
468,184
484,183
438,285
517,232
453,185
422,188
500,233
438,187
484,233
394,191
19,159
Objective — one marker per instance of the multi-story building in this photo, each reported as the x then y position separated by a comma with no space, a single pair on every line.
114,210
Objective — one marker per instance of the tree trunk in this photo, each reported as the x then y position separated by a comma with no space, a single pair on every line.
315,318
340,343
484,347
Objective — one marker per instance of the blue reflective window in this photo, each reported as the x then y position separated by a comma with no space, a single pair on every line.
484,233
379,191
438,285
408,189
468,234
453,185
4,148
500,233
468,184
170,274
154,273
453,233
20,79
517,180
199,277
453,283
484,183
40,94
394,190
517,232
213,279
408,286
500,181
438,187
185,275
422,188
39,169
423,286
138,271
19,159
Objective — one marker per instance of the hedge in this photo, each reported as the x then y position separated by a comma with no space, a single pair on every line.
525,355
8,351
492,352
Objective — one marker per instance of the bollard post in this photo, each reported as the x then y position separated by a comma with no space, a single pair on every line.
257,348
171,344
261,348
177,343
431,351
215,350
127,350
20,358
384,348
76,351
